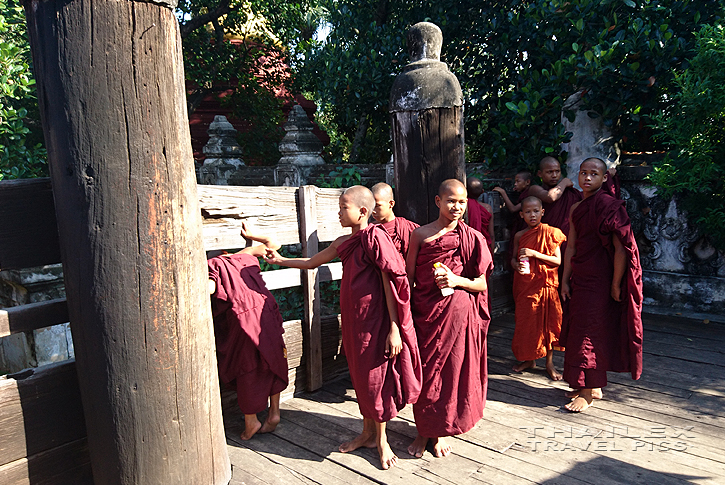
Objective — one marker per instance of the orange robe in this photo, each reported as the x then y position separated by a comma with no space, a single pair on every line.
538,309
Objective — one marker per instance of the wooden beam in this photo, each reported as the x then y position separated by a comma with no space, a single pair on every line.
25,318
67,463
28,230
40,411
311,288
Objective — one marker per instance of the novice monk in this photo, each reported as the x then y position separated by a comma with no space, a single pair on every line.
451,329
602,327
522,181
377,328
248,332
538,310
557,194
398,228
480,214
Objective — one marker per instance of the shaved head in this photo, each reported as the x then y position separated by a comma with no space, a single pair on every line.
532,200
547,161
361,196
450,186
382,190
598,161
524,174
474,186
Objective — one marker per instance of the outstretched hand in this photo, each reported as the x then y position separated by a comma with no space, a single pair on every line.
500,190
272,256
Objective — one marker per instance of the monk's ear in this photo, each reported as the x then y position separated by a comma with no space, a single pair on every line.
521,214
438,201
392,203
606,176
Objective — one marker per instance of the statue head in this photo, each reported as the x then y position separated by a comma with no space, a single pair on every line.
424,42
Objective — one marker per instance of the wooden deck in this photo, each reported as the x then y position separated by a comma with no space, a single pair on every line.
666,428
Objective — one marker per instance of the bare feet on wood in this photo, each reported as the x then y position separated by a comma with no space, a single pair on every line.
270,424
582,402
417,447
522,366
363,440
388,459
250,428
551,370
441,447
596,393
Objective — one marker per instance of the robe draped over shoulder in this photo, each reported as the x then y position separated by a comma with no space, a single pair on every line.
599,332
383,386
478,218
399,230
452,335
248,331
557,213
538,309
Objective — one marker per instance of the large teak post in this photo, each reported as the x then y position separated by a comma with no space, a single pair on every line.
111,91
426,103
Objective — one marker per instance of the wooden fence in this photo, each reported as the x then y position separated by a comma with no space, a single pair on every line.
41,416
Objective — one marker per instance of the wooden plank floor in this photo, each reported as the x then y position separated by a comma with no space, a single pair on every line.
666,428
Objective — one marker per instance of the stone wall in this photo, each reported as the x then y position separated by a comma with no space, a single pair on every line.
682,271
39,347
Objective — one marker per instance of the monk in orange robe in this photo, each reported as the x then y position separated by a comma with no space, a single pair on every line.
536,282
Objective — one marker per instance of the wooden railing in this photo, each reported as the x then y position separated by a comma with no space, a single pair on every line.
41,416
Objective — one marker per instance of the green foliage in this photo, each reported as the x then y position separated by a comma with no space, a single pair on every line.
21,152
693,127
517,62
245,55
340,177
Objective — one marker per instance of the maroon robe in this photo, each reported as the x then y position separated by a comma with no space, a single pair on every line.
248,330
399,230
479,218
599,332
452,335
613,186
383,386
557,213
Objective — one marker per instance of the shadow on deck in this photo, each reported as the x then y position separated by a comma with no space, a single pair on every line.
666,428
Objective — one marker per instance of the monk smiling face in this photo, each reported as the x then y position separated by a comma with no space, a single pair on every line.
531,211
452,199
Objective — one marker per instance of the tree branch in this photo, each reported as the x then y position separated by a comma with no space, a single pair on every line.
222,9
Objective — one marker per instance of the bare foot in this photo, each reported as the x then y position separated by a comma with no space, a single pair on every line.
417,447
363,440
579,404
387,457
250,429
441,447
551,370
596,393
270,424
522,366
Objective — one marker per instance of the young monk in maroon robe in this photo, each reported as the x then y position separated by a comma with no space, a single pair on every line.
602,327
538,309
248,332
451,329
522,183
377,328
557,194
480,214
399,228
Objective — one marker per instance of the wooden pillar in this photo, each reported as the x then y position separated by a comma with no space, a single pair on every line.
426,105
111,91
312,325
